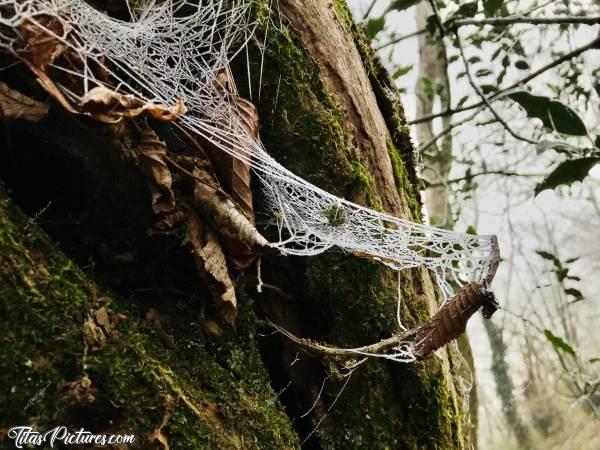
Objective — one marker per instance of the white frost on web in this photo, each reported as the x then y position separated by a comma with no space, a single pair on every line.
175,49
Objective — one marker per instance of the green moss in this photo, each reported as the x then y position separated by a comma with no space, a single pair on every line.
334,215
222,391
405,187
342,300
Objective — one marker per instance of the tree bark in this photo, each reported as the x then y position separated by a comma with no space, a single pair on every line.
328,112
433,84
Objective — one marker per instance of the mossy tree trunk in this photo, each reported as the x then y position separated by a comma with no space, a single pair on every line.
329,112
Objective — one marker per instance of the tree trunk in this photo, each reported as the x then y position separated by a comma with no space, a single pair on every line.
433,84
328,111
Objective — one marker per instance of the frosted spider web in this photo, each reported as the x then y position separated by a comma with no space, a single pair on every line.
175,49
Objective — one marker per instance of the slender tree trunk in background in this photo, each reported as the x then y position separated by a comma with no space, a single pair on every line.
170,370
505,388
432,84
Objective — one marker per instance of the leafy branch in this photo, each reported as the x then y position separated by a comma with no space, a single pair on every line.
484,99
496,95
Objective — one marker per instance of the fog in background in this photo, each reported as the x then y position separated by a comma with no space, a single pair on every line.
564,222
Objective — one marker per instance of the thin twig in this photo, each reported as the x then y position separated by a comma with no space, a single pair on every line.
490,172
482,95
401,38
591,45
447,130
312,346
369,9
556,20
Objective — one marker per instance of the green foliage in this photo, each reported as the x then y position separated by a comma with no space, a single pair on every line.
402,70
568,172
559,343
521,64
468,9
401,5
561,268
374,26
553,114
575,293
490,7
462,101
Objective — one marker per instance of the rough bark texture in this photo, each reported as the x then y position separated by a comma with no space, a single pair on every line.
329,113
433,84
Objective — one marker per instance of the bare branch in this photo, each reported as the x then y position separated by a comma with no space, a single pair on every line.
556,20
369,9
591,45
374,349
400,39
482,95
489,172
448,129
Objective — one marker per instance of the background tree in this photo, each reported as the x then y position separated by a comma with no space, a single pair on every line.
108,328
524,77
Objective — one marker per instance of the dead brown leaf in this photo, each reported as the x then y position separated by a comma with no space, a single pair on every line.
102,320
168,221
157,435
77,392
235,175
94,335
100,327
49,86
226,217
213,327
451,320
212,266
110,106
14,105
152,152
42,41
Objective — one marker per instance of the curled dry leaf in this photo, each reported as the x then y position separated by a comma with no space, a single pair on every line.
14,105
93,334
226,217
109,106
42,40
234,175
168,221
451,320
212,266
152,152
44,47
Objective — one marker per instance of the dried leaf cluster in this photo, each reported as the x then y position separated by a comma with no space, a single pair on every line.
45,41
209,193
